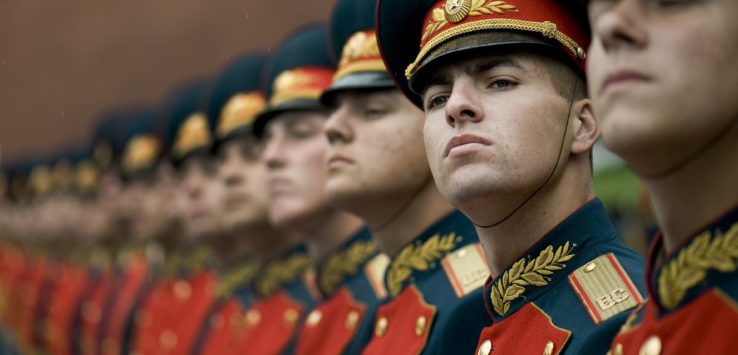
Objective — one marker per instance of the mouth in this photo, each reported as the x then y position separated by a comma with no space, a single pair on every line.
278,185
623,77
199,213
462,141
236,200
336,160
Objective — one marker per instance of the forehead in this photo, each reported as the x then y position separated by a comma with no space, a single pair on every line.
289,119
445,71
367,95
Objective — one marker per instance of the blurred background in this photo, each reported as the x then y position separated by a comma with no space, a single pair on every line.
62,63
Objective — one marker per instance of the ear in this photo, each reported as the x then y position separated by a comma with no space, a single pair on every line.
585,126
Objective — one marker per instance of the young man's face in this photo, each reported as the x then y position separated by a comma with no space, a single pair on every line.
663,76
293,154
200,193
245,197
494,127
376,149
150,205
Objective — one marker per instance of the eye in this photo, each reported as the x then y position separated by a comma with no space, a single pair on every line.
374,112
435,101
501,84
302,130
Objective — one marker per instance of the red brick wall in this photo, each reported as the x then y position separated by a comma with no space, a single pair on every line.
63,62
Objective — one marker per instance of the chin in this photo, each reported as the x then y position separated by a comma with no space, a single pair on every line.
342,194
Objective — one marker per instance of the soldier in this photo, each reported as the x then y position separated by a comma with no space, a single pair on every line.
663,81
376,168
508,133
126,165
291,126
248,239
176,305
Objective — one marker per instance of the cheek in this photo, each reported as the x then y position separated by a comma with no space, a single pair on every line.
435,135
310,172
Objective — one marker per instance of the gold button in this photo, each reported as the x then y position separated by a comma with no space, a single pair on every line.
182,290
420,324
314,318
590,267
652,346
168,339
549,349
352,319
381,327
581,53
485,348
290,317
253,317
618,349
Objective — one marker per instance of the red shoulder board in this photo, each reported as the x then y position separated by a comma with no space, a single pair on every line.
402,326
527,331
331,326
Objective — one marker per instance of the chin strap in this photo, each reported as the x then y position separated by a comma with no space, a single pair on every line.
550,175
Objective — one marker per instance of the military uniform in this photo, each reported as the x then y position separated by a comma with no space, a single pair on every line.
284,293
351,283
235,100
222,332
434,284
106,315
569,291
350,278
177,304
692,293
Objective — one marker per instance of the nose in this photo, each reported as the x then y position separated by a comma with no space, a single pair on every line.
337,128
230,172
273,154
194,184
620,26
463,105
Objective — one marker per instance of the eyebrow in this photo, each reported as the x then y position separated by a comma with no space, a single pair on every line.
479,66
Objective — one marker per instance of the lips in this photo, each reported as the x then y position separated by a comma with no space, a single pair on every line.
623,76
337,159
236,200
464,139
278,184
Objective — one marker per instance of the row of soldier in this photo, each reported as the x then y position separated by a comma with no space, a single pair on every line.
429,193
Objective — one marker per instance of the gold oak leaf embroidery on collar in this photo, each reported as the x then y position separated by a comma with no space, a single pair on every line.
419,258
236,278
280,272
341,264
691,265
526,273
478,7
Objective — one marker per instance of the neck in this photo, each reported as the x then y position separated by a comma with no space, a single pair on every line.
230,250
265,242
335,229
409,219
507,242
692,197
